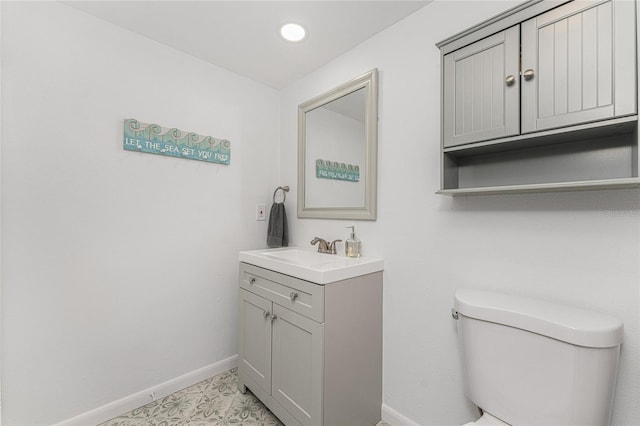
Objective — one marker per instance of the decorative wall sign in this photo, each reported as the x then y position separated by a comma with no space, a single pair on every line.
154,139
337,171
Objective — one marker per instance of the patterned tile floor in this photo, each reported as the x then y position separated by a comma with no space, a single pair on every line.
215,401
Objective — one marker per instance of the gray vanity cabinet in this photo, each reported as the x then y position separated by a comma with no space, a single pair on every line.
312,353
542,98
280,351
255,338
297,365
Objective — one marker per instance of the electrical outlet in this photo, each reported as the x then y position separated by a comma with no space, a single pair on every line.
261,212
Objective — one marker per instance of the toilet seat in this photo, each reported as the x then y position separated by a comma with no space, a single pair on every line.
487,420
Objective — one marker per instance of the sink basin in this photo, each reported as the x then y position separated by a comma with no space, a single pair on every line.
309,265
302,257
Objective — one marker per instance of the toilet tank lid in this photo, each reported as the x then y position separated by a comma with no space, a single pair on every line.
562,322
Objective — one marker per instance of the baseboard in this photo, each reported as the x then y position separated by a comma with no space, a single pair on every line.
138,399
392,417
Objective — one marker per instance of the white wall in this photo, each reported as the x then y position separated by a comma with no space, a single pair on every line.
119,268
0,214
578,248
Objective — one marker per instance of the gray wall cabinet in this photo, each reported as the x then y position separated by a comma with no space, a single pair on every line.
481,97
312,353
542,98
579,79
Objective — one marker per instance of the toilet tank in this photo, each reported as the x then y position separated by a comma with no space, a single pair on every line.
529,362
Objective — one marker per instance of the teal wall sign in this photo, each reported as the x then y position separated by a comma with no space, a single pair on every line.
154,139
337,171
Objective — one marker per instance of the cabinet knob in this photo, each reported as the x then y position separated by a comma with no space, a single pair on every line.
293,296
528,74
274,317
266,313
252,280
509,80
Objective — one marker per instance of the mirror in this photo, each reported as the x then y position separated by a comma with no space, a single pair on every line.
338,152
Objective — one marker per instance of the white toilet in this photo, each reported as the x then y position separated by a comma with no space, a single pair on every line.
533,363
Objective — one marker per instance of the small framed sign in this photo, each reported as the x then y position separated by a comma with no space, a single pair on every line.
155,139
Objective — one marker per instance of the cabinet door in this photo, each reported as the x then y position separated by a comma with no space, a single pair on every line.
571,72
481,98
297,365
254,338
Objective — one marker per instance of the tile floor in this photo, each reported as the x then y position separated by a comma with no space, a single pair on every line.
215,401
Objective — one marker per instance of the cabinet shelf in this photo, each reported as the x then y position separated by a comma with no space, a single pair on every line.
592,185
595,130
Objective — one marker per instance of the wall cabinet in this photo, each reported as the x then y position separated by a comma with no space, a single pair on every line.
481,97
312,353
542,97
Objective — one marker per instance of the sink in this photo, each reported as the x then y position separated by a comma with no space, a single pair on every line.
302,257
309,265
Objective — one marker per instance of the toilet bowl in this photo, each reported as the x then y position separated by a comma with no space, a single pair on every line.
530,362
487,420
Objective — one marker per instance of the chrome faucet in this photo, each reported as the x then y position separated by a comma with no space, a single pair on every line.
324,246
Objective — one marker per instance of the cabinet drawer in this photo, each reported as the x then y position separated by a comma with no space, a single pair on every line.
297,295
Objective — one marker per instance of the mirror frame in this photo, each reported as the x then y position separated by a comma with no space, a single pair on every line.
368,81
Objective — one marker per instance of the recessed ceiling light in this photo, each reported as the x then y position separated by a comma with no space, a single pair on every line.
292,32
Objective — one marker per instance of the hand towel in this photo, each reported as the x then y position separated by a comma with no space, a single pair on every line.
277,233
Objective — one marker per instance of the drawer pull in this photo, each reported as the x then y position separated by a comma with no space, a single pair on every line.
293,296
252,280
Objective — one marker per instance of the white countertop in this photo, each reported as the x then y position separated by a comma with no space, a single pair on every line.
309,265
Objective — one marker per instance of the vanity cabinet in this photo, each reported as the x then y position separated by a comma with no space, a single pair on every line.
312,353
542,97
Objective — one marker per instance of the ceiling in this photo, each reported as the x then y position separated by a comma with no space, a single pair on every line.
243,36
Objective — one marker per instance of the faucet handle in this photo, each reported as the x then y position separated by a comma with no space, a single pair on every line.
332,246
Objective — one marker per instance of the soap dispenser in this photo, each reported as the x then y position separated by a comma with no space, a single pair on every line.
352,246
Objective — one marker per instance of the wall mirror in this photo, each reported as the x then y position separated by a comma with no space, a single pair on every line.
338,152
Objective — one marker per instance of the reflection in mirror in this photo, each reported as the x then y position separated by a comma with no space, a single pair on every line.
336,135
337,150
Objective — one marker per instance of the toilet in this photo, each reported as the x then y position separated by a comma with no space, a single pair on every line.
528,362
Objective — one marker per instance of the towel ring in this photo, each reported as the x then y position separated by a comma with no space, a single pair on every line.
284,190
